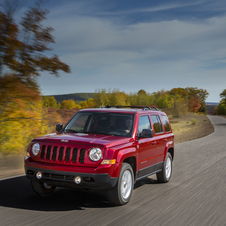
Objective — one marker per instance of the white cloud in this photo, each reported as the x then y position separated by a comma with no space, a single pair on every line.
150,56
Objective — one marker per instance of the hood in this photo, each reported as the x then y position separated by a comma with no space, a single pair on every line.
82,138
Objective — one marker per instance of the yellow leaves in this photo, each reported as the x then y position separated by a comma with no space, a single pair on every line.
21,116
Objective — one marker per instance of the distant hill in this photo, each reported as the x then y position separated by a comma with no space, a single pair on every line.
210,106
73,96
212,103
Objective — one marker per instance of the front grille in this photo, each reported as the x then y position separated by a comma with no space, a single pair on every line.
75,154
43,152
54,153
82,155
62,154
68,153
48,152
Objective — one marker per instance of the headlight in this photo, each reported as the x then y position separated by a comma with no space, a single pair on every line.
35,149
95,154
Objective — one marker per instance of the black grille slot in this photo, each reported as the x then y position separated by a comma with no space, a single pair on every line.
57,176
54,153
68,153
48,152
43,152
46,175
74,156
61,154
69,177
82,155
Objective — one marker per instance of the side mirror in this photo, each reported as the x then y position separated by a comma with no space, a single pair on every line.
59,127
146,133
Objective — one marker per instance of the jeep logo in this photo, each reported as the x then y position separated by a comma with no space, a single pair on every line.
64,140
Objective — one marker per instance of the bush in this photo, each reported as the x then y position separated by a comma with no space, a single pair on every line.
194,121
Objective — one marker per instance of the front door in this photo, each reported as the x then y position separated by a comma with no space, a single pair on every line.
146,151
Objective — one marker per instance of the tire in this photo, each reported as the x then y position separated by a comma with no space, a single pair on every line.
166,173
122,192
42,189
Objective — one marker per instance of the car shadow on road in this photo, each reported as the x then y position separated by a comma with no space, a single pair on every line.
17,193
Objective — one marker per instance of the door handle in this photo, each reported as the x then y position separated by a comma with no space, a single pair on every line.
154,143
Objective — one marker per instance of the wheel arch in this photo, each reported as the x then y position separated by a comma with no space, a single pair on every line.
132,161
171,151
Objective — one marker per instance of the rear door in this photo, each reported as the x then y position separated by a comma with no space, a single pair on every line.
159,142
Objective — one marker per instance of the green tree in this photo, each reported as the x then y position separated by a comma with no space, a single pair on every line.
221,109
101,98
223,96
49,101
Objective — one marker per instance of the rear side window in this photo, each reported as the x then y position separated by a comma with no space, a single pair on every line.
144,123
157,123
165,123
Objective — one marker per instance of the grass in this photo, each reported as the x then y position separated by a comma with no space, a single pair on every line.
190,127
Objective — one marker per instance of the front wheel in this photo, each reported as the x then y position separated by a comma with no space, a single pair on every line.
165,175
122,192
42,189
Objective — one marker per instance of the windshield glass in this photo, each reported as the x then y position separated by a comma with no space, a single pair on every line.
117,124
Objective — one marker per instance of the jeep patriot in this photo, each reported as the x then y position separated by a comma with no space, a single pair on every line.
106,148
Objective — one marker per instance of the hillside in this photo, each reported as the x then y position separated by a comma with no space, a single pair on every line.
73,96
210,106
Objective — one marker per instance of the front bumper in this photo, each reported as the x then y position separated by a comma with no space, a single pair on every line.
90,181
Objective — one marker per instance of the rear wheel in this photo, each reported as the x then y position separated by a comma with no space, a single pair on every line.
122,192
165,175
42,188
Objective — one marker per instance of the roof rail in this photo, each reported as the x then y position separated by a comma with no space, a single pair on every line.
139,107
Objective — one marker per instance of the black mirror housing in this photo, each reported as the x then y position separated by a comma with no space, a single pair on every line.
59,127
147,133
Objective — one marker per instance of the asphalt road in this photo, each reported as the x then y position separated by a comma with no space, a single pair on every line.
196,194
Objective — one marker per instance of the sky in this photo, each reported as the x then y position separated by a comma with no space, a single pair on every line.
132,45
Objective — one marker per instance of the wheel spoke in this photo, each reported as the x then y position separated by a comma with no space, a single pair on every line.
168,168
126,184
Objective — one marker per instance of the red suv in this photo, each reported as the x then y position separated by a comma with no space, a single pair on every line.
106,148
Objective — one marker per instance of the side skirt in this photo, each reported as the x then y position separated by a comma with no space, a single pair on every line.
149,171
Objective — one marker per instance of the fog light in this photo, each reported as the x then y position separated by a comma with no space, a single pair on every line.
77,180
39,175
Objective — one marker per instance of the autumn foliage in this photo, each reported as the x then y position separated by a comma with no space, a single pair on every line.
22,58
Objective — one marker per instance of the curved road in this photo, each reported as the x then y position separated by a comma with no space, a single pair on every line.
196,194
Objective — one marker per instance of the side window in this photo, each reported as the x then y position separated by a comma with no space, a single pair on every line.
144,123
165,123
157,123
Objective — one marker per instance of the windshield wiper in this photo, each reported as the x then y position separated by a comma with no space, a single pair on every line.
70,131
99,132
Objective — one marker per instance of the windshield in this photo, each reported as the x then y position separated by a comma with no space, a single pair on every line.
117,124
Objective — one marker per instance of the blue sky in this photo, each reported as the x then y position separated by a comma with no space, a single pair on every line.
133,45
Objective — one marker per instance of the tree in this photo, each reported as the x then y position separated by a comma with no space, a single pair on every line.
49,101
101,98
21,61
195,93
221,109
69,104
25,57
223,96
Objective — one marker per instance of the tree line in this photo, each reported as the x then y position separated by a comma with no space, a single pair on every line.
178,101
